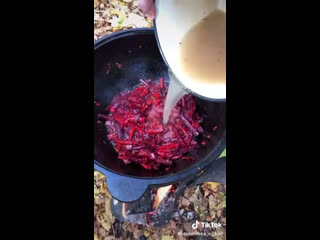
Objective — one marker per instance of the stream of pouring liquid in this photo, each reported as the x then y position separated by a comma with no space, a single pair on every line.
175,93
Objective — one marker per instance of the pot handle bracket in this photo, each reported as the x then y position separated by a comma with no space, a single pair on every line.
216,172
123,188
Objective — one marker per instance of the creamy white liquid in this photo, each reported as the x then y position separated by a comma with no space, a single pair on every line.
203,50
175,93
202,58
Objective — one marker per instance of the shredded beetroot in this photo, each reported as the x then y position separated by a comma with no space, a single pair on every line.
108,68
136,130
161,82
119,65
188,158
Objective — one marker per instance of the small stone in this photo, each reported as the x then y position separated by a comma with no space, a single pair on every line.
101,6
190,215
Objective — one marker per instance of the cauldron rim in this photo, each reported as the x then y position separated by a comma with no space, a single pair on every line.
144,182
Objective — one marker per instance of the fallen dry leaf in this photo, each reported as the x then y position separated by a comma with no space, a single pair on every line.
187,226
180,237
103,188
114,2
195,197
102,232
107,208
154,236
119,13
146,233
131,227
96,17
206,191
185,202
115,21
219,213
166,237
95,209
137,233
212,202
111,237
212,213
222,188
136,20
106,13
99,176
212,186
104,220
219,234
170,228
172,224
216,195
212,206
99,199
203,207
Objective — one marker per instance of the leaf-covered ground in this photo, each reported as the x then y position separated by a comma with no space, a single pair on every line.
205,203
114,15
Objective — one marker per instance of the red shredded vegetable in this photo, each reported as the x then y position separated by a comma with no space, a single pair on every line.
108,68
135,127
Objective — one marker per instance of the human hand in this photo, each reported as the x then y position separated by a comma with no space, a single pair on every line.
148,7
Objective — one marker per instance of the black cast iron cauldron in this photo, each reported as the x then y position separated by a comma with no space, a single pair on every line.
138,53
